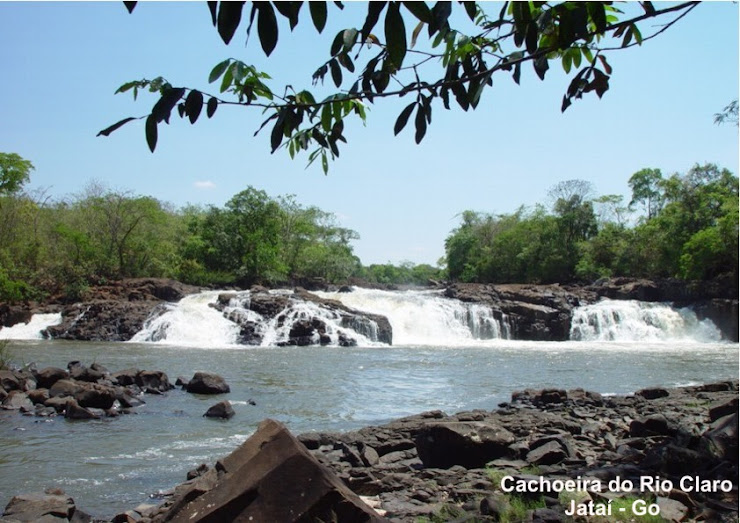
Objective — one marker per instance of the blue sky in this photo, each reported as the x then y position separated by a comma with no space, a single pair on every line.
62,62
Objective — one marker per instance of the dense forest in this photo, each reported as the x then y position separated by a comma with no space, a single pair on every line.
682,226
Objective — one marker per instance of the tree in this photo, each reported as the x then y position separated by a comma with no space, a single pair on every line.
728,114
438,65
14,172
646,185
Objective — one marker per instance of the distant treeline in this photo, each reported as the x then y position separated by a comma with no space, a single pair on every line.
683,226
688,228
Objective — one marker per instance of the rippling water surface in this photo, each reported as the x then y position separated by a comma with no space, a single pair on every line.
114,464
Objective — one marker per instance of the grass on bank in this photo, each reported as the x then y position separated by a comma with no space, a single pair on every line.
6,355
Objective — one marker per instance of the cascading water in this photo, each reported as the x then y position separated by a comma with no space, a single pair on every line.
426,317
195,322
190,322
629,320
31,330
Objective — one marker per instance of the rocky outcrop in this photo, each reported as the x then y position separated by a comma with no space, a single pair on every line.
451,467
302,325
270,477
117,311
534,312
544,312
207,383
78,393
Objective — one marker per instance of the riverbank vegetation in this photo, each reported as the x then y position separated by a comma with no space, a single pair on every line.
684,225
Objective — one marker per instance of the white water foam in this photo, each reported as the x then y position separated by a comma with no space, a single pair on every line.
426,317
630,320
31,330
192,323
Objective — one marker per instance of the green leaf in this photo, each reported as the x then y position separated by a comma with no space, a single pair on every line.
336,45
395,36
151,132
567,62
373,14
403,118
598,15
541,66
324,163
218,70
607,67
165,104
267,27
117,125
211,107
229,16
194,105
470,9
415,33
227,80
349,37
638,35
420,10
421,123
336,72
130,6
576,56
326,117
289,10
318,14
125,87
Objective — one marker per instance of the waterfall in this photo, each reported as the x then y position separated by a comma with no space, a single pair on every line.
426,317
190,322
630,320
31,330
195,322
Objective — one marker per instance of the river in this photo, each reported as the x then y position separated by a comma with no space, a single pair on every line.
114,464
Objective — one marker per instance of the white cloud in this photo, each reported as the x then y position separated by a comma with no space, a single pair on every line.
204,184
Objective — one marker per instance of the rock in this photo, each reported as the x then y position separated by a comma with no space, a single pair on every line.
207,383
495,505
547,454
153,381
125,377
272,477
653,393
17,400
39,507
222,409
63,388
723,409
9,381
721,441
75,412
671,509
82,373
95,396
470,444
59,404
48,376
38,396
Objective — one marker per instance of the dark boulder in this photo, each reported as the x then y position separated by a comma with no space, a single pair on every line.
74,411
63,388
95,396
222,409
153,380
272,477
17,400
470,444
40,507
125,377
207,383
48,376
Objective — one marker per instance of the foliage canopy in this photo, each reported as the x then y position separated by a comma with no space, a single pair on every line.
438,64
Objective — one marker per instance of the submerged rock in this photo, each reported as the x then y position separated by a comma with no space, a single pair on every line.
222,409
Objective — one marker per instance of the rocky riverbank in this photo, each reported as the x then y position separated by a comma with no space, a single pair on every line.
547,455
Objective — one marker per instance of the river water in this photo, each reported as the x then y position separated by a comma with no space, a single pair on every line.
114,464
